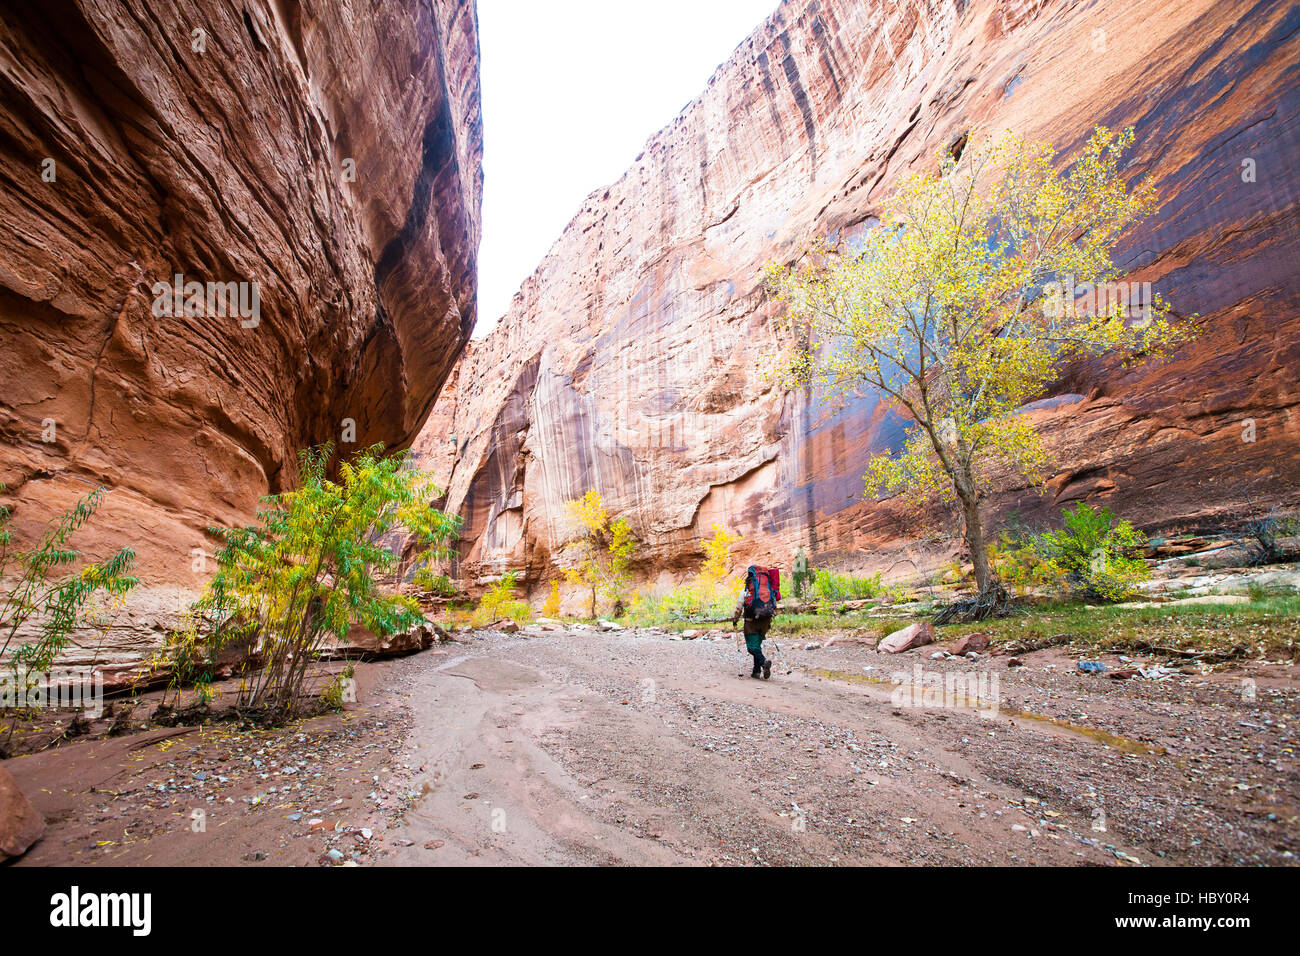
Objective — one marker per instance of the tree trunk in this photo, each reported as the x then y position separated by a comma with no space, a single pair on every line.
979,554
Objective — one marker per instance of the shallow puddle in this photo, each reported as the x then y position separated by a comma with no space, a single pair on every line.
1096,735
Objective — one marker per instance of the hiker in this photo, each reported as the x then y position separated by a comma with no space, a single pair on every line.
757,604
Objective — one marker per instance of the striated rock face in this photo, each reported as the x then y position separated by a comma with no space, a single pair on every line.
630,361
325,155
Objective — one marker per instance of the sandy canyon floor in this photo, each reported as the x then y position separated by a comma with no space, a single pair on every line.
559,747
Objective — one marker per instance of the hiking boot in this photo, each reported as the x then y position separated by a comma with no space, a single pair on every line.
767,670
755,673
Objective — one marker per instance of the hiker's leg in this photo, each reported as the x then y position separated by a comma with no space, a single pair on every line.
758,661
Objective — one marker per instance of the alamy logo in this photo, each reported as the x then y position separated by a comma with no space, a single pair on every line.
1067,300
977,691
76,909
61,689
210,300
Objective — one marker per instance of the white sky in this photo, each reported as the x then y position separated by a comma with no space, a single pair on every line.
572,89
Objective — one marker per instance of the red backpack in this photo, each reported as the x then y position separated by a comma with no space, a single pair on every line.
762,591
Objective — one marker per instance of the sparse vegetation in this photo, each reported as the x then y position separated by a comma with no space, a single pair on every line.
499,603
434,583
552,606
828,587
79,598
711,595
306,570
1096,552
599,552
334,695
684,604
59,605
1207,632
1268,531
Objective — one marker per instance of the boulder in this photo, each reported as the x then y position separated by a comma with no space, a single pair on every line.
914,635
971,642
20,823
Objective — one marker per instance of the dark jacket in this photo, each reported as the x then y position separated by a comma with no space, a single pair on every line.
755,630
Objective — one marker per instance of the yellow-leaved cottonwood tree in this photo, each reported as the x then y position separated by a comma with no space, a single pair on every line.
959,306
599,551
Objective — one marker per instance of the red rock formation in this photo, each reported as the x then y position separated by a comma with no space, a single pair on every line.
329,154
629,361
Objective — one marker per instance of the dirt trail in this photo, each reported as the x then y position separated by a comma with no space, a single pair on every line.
557,748
586,748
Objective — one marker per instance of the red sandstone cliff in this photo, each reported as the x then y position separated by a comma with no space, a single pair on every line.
627,361
329,154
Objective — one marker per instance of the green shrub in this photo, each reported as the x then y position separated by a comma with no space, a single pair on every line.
306,570
334,694
500,603
801,576
694,602
1097,553
1018,563
828,586
439,584
59,605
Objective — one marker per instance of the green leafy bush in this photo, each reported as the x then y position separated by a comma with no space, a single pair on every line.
1097,553
60,606
693,602
1018,563
439,584
499,603
827,586
334,694
307,570
801,576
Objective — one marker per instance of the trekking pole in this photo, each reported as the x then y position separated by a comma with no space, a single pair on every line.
780,656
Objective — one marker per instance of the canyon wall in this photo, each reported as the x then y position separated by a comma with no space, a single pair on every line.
323,156
630,361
